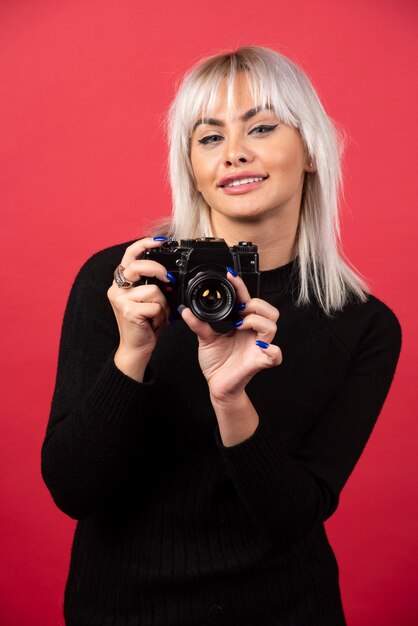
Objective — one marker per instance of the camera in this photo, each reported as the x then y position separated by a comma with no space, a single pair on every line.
199,267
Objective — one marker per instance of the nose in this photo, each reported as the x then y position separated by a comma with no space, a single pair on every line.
236,152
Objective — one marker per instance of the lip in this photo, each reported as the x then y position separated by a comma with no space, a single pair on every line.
238,176
240,189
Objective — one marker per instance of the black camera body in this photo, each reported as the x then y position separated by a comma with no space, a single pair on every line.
199,267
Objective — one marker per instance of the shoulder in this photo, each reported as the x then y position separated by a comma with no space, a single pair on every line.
371,323
89,288
101,264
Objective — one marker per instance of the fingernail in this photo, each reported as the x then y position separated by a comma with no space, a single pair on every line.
160,238
181,308
171,277
171,321
237,323
262,344
232,271
240,306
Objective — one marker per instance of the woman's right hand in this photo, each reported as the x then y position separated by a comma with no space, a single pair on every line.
140,311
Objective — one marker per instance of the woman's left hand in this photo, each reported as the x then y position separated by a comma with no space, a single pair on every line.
229,361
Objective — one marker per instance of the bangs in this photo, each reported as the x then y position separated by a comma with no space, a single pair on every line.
266,86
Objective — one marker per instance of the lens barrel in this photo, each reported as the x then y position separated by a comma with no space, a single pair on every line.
210,296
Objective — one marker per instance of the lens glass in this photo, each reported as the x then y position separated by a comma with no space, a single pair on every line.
211,297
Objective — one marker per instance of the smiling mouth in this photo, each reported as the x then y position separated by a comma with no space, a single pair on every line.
245,181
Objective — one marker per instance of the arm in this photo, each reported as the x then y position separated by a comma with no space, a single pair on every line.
237,419
290,492
96,409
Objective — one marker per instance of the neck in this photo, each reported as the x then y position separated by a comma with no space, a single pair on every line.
274,236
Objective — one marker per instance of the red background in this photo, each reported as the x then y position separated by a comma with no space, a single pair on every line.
83,89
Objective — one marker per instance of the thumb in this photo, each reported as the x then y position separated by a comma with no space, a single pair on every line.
202,329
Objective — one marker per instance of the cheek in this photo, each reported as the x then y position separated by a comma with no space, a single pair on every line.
287,153
197,163
203,173
289,163
196,172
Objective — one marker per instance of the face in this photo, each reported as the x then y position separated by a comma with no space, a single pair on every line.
247,163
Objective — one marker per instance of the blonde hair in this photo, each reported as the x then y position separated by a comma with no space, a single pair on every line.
273,79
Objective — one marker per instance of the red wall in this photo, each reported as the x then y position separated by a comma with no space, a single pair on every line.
83,88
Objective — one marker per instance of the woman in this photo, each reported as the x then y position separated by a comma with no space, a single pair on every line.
202,465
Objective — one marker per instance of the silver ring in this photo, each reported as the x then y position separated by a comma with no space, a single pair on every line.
120,279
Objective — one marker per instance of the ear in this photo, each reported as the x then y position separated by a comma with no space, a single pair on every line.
310,165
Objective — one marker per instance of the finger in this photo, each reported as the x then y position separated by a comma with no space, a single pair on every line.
261,307
268,355
242,292
137,248
246,304
143,267
202,329
140,312
265,328
142,293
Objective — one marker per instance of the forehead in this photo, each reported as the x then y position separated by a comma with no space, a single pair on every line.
229,96
233,96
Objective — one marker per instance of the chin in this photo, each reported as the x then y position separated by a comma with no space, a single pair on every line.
242,214
247,208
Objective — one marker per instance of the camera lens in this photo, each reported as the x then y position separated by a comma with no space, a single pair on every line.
211,296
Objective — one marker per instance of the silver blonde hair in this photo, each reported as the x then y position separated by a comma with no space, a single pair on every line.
276,80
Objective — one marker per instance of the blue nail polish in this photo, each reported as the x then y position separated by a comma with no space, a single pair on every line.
240,306
171,277
160,238
171,321
232,271
237,323
262,344
181,308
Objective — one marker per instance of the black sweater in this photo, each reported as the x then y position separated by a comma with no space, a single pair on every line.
176,529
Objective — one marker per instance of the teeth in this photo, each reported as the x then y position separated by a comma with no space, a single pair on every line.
243,181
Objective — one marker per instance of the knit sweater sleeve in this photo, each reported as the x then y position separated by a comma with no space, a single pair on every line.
95,408
289,492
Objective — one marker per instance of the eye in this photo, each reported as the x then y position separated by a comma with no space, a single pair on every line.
261,130
210,139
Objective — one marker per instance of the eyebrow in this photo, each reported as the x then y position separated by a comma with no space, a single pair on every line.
246,116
